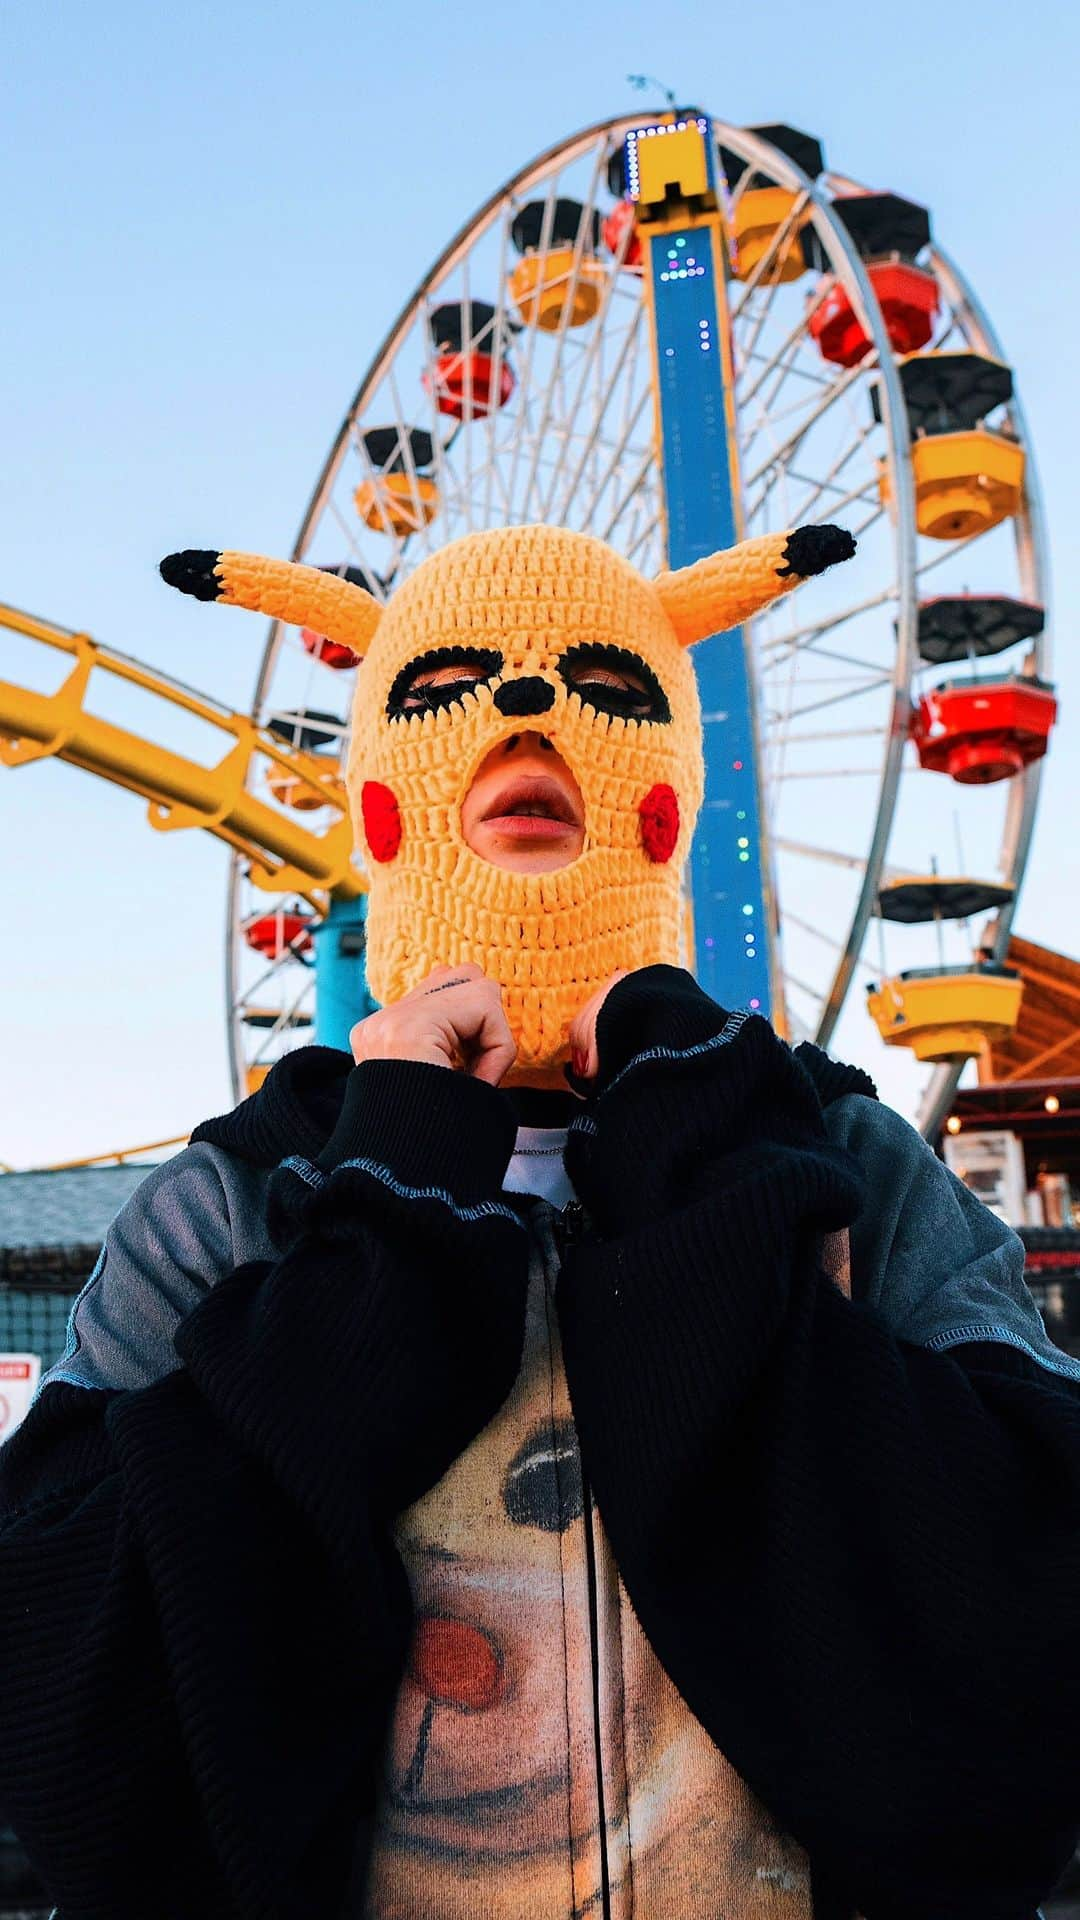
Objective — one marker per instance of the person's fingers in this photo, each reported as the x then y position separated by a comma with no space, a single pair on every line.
584,1057
454,1018
495,1062
478,1020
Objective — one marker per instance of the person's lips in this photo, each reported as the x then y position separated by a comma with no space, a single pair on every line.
533,807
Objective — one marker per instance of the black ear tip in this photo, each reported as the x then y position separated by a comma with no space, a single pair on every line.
811,549
193,571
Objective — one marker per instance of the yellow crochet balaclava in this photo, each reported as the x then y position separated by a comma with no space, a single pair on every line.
524,598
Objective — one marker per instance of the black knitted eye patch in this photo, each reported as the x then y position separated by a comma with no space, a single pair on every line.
485,660
650,704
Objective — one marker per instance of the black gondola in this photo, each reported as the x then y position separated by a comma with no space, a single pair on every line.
973,626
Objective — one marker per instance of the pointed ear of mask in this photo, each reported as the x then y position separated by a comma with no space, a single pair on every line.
727,588
301,596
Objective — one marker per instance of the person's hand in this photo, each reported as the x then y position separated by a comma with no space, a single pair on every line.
454,1018
584,1057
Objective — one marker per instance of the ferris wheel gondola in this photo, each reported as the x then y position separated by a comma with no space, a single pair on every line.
518,383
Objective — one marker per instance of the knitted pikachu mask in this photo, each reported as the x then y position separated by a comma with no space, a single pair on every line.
524,599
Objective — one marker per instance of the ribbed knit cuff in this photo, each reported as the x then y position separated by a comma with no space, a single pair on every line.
654,1007
292,1112
427,1125
689,1105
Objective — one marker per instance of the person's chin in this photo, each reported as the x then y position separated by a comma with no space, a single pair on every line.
526,856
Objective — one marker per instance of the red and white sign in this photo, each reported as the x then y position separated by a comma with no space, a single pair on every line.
19,1374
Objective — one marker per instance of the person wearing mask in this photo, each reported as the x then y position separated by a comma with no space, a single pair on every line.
573,1454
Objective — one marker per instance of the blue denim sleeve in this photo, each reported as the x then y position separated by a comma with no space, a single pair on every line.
939,1266
190,1222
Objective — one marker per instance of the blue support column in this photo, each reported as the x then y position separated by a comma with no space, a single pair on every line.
729,875
341,991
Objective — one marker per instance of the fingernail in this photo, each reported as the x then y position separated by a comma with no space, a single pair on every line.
579,1062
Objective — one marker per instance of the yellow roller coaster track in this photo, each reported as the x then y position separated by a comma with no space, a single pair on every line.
284,856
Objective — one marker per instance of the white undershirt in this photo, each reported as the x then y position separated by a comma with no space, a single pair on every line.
537,1165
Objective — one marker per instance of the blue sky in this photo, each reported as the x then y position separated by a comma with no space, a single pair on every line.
212,214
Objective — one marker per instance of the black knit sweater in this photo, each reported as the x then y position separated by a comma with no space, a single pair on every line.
203,1619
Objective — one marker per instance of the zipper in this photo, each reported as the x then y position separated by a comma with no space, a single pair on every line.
594,1644
570,1225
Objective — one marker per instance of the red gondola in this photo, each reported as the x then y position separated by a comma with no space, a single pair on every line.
468,353
982,730
613,229
275,934
908,298
889,233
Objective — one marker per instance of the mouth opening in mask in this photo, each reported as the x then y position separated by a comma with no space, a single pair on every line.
524,809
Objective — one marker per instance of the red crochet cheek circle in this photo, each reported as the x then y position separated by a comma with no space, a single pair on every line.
659,814
382,820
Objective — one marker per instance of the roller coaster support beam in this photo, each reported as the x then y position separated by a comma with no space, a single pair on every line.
284,857
341,992
671,174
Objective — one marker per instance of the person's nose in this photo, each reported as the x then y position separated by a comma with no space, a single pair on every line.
530,739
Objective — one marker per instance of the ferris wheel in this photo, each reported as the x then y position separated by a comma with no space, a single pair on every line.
866,388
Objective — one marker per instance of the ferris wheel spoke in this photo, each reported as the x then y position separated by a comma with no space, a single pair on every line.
637,480
801,986
467,437
828,482
865,495
828,856
828,773
949,551
853,692
832,654
860,527
611,470
286,1020
347,529
817,629
601,399
770,412
641,539
547,222
563,330
795,370
784,355
793,919
777,459
835,733
754,318
284,963
501,336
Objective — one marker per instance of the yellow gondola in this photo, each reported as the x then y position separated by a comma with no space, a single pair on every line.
947,1013
560,279
397,503
400,497
763,207
759,216
965,483
968,476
